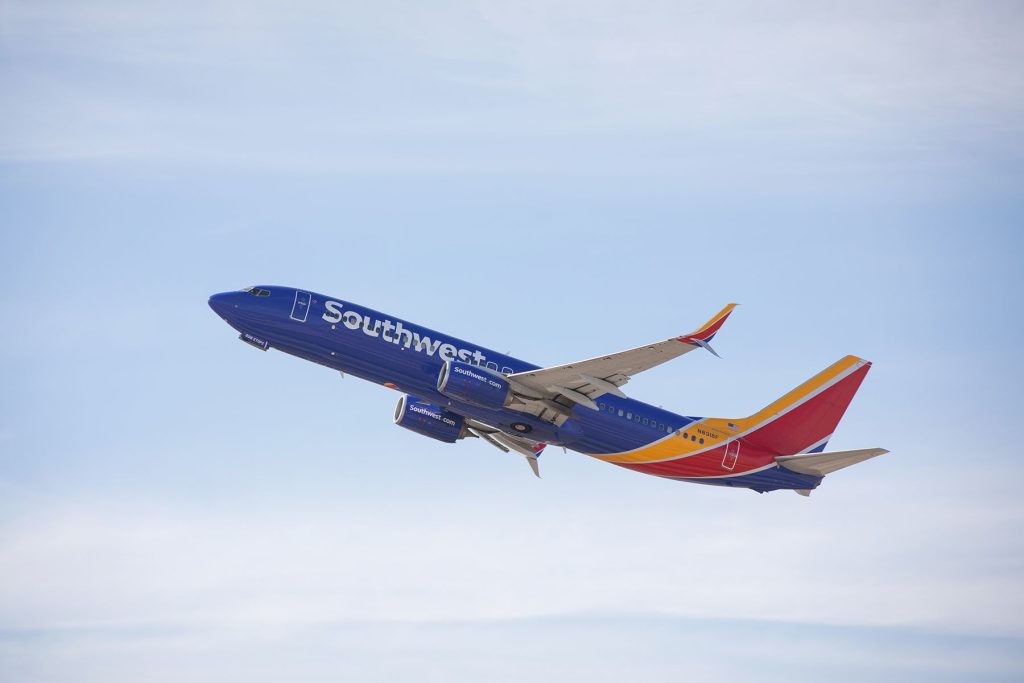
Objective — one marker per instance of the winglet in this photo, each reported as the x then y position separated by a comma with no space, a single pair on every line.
532,459
704,345
707,332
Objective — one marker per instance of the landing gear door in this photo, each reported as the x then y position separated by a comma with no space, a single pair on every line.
300,309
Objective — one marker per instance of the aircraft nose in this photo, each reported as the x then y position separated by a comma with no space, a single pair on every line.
222,303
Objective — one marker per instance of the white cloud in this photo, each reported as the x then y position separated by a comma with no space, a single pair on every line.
412,87
377,587
484,557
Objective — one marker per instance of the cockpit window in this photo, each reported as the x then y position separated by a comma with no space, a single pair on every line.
257,291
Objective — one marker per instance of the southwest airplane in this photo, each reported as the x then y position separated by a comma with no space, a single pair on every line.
452,389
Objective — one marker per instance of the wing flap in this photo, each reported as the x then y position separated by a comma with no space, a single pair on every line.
503,441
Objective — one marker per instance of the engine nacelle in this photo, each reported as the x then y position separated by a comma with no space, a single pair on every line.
429,420
471,384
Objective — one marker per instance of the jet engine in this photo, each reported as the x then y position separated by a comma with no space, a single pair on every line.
473,384
430,420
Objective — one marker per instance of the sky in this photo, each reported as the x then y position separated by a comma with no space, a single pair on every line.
555,179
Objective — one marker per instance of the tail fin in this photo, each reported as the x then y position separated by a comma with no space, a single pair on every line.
803,420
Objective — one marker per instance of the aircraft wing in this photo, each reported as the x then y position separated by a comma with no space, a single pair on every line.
583,381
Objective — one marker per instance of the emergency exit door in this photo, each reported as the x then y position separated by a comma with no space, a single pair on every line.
732,454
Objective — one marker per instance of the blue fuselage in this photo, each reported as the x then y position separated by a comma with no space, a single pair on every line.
407,357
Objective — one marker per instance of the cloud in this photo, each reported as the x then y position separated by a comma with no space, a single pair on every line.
488,558
458,85
596,647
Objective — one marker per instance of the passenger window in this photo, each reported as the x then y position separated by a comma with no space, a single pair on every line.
507,371
645,420
629,416
620,412
492,365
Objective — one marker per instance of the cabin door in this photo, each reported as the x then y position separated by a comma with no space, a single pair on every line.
300,309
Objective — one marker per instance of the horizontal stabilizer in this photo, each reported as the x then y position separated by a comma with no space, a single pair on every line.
820,464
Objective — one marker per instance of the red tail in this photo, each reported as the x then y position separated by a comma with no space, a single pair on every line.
803,420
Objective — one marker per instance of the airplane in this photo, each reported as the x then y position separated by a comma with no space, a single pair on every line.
453,389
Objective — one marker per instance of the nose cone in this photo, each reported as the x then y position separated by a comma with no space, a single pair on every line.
223,304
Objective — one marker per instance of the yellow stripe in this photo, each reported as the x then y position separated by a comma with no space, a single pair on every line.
715,430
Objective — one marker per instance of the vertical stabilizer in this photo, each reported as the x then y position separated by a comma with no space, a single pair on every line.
804,419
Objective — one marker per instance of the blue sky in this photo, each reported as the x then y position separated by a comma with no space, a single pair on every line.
554,179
